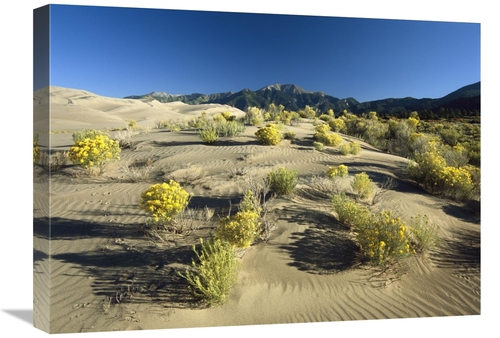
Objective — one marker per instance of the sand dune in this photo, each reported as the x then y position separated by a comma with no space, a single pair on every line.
105,275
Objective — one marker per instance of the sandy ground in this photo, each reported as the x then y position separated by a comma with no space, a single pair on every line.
102,274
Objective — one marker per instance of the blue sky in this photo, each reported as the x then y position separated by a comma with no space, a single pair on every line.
117,52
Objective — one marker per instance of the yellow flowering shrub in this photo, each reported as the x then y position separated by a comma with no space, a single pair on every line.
94,151
318,146
385,237
164,201
269,135
324,135
339,171
241,230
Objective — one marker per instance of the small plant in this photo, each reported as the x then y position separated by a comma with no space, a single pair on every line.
289,135
349,212
36,149
214,272
318,146
339,171
136,173
362,185
424,234
269,135
164,201
132,124
93,149
282,181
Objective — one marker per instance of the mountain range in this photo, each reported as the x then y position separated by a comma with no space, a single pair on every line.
294,98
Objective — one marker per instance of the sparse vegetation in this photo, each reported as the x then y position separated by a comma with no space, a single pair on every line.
269,135
214,271
282,181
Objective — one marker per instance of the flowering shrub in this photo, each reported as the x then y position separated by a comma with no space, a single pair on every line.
269,135
339,171
214,273
282,181
289,135
241,229
325,136
385,237
93,148
362,185
164,201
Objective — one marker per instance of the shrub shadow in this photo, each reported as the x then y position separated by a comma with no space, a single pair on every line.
326,247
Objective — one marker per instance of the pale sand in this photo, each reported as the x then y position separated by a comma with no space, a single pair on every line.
307,272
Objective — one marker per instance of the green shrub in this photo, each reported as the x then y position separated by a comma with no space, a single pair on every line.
214,273
289,135
164,201
269,135
36,149
349,212
350,148
384,238
282,181
424,234
229,128
318,146
362,185
339,171
208,135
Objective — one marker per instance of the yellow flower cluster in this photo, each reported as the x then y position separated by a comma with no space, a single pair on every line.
269,135
94,151
164,200
240,230
327,137
385,237
339,171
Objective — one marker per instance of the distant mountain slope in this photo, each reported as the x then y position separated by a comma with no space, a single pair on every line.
294,98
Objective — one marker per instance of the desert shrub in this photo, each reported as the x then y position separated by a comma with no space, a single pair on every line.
132,124
325,136
251,202
289,135
337,125
339,171
36,149
199,122
164,201
350,148
384,238
362,185
214,272
208,134
136,173
423,233
269,135
53,161
254,116
240,230
454,182
282,181
349,212
318,146
93,149
229,128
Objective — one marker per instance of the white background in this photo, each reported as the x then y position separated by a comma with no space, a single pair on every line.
16,153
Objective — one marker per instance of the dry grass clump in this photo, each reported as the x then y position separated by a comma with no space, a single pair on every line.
136,173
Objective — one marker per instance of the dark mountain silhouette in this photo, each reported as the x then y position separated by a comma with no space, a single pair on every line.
294,98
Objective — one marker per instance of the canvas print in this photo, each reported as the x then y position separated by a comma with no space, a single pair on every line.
208,169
